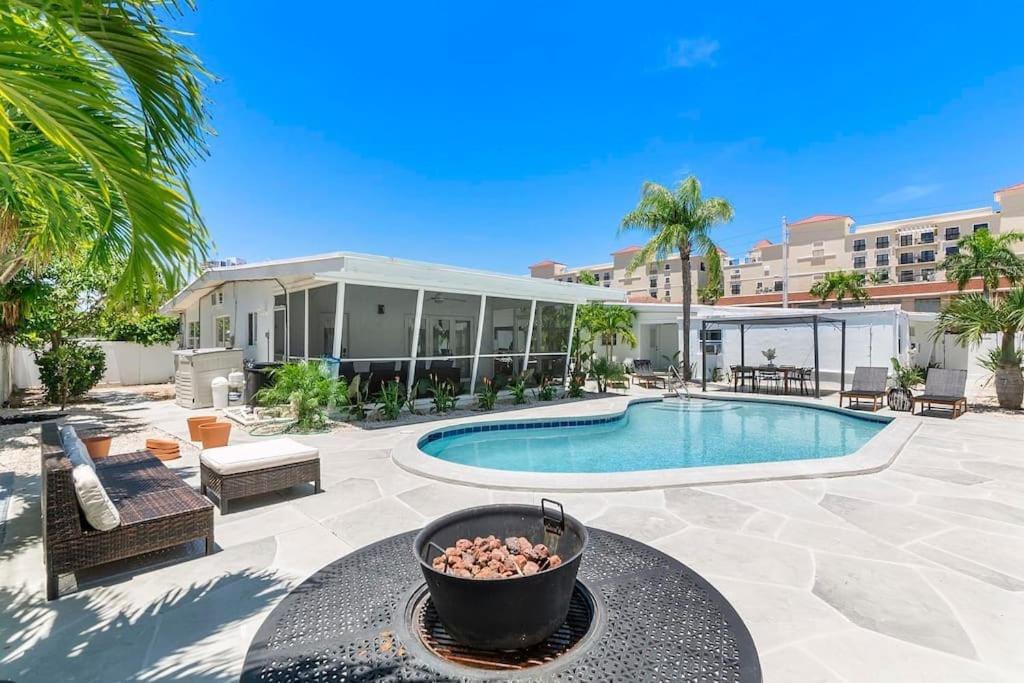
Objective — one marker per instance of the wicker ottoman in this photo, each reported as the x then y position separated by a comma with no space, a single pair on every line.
249,469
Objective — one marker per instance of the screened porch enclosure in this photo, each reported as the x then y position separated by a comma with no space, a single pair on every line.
417,336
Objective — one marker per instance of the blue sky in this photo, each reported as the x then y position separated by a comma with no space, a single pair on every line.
499,134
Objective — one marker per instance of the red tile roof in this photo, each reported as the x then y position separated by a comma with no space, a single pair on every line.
816,218
1011,188
762,243
626,250
548,262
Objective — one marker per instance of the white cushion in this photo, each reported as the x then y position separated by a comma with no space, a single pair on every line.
74,447
96,504
259,455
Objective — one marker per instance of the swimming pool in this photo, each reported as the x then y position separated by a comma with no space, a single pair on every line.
658,435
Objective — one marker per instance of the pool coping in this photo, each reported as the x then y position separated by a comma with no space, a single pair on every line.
875,455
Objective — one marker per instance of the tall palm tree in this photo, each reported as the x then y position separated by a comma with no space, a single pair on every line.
611,324
841,285
987,256
714,288
102,114
971,316
677,220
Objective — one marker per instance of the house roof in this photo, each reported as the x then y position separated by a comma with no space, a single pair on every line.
1011,188
382,271
627,250
817,218
547,262
762,243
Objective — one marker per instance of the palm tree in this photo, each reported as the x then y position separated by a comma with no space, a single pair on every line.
677,220
611,324
971,316
102,113
840,284
714,288
989,257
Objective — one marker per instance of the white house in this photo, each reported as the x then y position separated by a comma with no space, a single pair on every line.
363,309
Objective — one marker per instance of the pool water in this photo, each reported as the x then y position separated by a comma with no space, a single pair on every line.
660,435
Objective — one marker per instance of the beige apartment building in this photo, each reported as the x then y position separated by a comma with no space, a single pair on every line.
661,281
899,258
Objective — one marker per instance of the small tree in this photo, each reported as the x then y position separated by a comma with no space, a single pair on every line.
70,370
971,316
840,284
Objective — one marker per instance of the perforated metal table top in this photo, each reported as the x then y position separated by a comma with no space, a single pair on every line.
656,620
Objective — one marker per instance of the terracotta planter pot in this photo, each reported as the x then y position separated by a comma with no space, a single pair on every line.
195,422
214,434
97,446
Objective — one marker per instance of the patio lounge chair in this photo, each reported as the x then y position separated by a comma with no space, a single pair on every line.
644,375
944,388
156,510
868,384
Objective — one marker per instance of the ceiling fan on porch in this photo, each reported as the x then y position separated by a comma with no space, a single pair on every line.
439,298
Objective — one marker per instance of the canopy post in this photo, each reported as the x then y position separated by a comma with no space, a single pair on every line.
842,357
817,369
743,344
703,355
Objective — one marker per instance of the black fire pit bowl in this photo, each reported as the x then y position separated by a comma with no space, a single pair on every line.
503,614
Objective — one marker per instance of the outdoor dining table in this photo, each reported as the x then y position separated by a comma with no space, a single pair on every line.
741,372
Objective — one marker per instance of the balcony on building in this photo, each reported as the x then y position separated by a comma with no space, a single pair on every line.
952,233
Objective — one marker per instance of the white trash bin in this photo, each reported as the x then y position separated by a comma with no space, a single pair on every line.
219,388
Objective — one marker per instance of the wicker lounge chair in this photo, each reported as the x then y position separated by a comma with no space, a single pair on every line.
868,385
157,509
944,388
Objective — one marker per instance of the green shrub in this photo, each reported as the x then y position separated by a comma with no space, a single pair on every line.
487,396
308,389
547,391
391,399
70,370
576,386
147,330
442,394
518,391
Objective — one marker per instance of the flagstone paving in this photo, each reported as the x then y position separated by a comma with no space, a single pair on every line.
914,573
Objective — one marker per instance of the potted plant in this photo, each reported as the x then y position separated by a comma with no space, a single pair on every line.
769,355
904,378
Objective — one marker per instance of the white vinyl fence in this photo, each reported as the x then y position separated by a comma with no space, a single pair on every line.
127,364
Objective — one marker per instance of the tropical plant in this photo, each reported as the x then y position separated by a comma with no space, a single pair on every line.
679,220
308,389
672,360
102,114
547,391
575,389
611,324
769,355
487,396
587,278
391,399
714,288
604,371
518,391
442,395
70,370
878,277
906,376
147,330
986,256
357,396
841,285
971,316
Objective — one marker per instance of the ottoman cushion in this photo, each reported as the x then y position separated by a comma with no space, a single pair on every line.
259,455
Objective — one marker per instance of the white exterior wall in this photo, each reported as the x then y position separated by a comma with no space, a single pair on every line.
240,299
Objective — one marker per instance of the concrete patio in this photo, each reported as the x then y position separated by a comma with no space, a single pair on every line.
915,573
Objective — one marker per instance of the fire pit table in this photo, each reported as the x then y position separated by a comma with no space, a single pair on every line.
636,614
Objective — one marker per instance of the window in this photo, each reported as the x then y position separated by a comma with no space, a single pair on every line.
906,240
927,274
928,305
710,335
926,256
217,298
222,331
882,275
860,245
654,293
607,276
279,300
668,281
859,261
906,258
881,259
882,242
701,266
193,335
734,288
654,282
251,330
668,266
906,276
760,286
777,286
981,227
952,250
928,237
953,233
